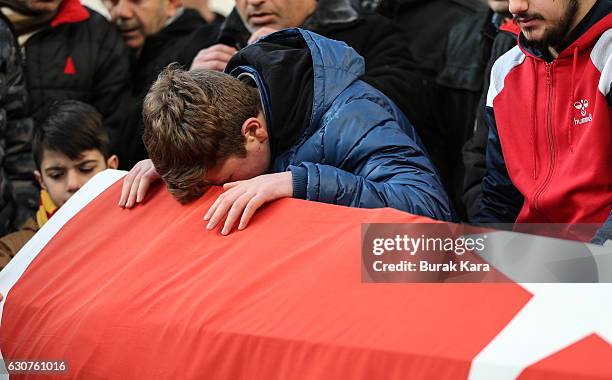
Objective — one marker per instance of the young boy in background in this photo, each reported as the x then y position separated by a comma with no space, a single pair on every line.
70,146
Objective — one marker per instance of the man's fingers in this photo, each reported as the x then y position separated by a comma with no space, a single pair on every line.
145,182
222,206
209,65
125,189
212,216
212,208
214,56
234,213
127,185
219,199
231,185
254,204
218,65
133,191
147,179
260,33
221,48
220,211
253,38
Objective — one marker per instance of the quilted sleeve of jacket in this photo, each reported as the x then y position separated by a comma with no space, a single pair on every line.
18,198
391,68
112,78
373,167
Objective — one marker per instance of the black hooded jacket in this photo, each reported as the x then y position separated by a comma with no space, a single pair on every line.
344,142
291,117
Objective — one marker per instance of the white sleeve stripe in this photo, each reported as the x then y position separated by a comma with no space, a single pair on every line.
501,68
601,56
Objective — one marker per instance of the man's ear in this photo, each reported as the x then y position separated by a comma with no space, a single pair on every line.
38,177
172,7
254,128
112,162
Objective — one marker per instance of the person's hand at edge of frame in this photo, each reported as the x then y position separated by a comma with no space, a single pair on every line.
264,31
213,58
137,182
242,198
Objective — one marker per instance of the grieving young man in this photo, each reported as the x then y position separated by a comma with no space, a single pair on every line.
291,106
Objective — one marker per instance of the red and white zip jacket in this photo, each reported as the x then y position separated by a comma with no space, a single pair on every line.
550,133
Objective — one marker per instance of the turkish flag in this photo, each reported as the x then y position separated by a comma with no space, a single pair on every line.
149,293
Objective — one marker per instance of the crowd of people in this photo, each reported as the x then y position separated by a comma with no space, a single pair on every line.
481,111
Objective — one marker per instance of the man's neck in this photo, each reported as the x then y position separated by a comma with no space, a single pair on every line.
584,7
206,13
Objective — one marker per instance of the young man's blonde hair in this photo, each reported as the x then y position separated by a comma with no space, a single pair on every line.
193,122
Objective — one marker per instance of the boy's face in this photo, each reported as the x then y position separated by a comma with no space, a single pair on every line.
238,169
62,177
257,160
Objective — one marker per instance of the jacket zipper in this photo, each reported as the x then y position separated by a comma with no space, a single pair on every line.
551,142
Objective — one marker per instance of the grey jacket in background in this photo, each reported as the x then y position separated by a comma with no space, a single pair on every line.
18,195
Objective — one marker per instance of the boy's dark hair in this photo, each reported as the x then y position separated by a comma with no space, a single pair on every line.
69,127
192,122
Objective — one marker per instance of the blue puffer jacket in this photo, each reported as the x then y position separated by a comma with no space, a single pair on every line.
344,141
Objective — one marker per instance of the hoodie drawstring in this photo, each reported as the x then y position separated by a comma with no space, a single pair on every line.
534,121
573,97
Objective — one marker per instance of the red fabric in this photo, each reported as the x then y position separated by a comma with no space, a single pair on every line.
559,161
589,358
149,293
70,11
69,69
511,27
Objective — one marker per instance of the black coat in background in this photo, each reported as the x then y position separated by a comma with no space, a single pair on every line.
475,148
18,196
389,65
460,86
162,49
426,24
80,59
